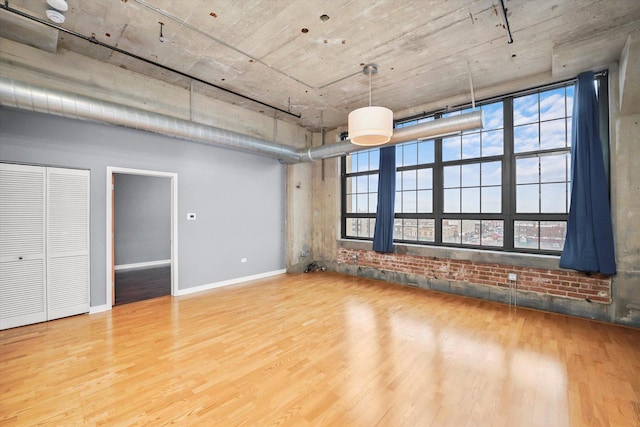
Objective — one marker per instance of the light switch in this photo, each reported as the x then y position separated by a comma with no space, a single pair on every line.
191,217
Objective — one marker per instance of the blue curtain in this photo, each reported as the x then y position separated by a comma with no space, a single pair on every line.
383,233
589,243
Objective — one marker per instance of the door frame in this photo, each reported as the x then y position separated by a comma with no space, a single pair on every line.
111,170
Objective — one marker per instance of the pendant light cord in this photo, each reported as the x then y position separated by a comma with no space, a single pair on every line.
370,72
473,96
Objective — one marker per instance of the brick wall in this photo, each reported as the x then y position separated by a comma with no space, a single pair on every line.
562,283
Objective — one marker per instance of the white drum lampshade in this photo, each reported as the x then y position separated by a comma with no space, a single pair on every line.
370,126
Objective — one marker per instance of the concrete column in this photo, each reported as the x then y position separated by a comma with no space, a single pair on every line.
326,205
625,184
626,217
298,216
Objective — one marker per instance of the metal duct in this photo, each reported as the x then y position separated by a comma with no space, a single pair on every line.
21,95
25,96
427,130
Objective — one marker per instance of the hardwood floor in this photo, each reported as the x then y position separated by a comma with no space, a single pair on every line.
142,284
320,349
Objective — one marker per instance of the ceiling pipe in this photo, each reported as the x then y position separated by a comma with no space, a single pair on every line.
25,96
427,130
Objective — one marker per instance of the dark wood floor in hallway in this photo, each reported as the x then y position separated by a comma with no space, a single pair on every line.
320,349
142,284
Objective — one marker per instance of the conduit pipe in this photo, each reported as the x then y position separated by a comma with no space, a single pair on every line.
427,130
25,96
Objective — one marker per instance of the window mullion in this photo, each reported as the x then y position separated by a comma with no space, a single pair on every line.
343,207
508,175
438,190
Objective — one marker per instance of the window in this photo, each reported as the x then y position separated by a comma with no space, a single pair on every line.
506,187
360,189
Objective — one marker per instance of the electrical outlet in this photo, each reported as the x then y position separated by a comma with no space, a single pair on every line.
513,277
243,260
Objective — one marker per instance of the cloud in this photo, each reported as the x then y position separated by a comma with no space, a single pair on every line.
526,138
492,143
553,134
554,168
471,146
491,173
527,170
493,116
525,109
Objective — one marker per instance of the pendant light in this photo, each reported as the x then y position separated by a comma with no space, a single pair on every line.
370,126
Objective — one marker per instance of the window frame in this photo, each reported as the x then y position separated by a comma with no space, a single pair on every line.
508,160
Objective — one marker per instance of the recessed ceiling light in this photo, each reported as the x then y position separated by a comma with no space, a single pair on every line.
60,5
55,16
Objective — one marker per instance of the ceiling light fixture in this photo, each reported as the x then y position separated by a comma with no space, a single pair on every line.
55,16
59,5
55,13
370,126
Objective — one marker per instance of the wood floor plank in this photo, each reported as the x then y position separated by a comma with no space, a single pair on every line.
320,349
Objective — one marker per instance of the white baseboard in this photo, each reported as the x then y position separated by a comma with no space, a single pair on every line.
142,264
99,309
229,282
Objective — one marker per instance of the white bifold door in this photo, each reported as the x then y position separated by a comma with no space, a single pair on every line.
44,243
23,294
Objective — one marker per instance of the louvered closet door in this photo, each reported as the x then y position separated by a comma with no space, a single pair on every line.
22,245
67,242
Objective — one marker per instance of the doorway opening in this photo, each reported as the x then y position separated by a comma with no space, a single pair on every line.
141,235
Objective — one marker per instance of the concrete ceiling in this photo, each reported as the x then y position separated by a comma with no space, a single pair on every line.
282,53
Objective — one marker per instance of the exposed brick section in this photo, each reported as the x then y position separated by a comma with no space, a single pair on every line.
569,284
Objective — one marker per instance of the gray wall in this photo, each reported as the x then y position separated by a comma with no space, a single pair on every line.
142,216
238,197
